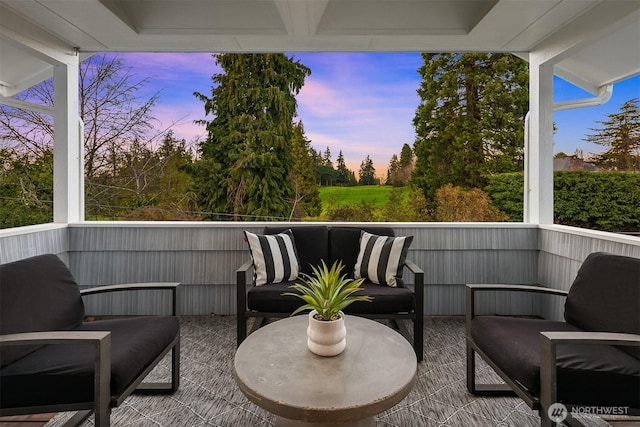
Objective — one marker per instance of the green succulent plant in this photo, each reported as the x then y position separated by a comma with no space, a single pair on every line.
327,291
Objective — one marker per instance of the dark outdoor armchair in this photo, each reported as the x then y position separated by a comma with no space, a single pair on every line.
591,360
315,243
54,361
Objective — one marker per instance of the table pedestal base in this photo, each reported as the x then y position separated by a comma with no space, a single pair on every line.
285,422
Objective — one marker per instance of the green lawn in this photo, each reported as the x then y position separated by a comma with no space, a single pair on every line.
343,196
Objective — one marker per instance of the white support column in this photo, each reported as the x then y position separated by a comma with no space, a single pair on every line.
68,191
539,168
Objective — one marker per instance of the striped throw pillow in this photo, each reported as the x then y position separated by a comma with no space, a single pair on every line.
381,258
274,257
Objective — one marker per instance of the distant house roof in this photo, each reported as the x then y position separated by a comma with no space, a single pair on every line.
573,164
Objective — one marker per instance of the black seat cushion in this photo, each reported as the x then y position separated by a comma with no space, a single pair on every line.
269,298
37,294
64,374
386,300
587,374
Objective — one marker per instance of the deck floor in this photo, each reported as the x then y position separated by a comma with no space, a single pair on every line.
208,395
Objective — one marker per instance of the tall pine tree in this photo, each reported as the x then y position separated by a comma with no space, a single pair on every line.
470,121
621,134
306,197
345,176
246,158
393,171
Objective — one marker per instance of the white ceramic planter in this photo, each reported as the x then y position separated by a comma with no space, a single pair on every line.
326,338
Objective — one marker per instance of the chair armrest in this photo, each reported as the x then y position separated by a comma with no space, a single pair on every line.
418,283
172,286
608,338
548,355
517,288
56,337
100,340
471,289
241,286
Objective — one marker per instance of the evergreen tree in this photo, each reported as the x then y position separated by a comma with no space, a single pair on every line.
406,156
621,133
326,158
367,172
400,169
174,198
306,199
392,171
326,174
316,158
352,179
345,176
405,164
470,122
246,158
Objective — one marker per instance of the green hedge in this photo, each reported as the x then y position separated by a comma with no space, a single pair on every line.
607,201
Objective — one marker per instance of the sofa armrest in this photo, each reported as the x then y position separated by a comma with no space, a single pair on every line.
471,289
418,283
548,355
241,286
172,286
413,267
244,268
101,342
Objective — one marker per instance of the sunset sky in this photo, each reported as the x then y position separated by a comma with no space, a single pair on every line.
360,103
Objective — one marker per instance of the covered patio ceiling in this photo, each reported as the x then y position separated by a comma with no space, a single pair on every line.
600,40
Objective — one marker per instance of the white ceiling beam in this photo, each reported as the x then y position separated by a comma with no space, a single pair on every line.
511,17
576,80
561,13
285,44
298,16
599,21
9,90
23,34
30,106
37,48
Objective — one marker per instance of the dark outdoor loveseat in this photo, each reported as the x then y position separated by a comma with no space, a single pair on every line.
54,361
315,243
590,363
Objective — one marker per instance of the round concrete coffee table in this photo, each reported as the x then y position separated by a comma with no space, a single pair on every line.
275,370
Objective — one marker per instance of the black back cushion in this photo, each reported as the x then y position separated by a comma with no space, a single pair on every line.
37,294
311,244
605,296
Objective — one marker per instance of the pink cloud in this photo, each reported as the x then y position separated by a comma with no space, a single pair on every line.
360,120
